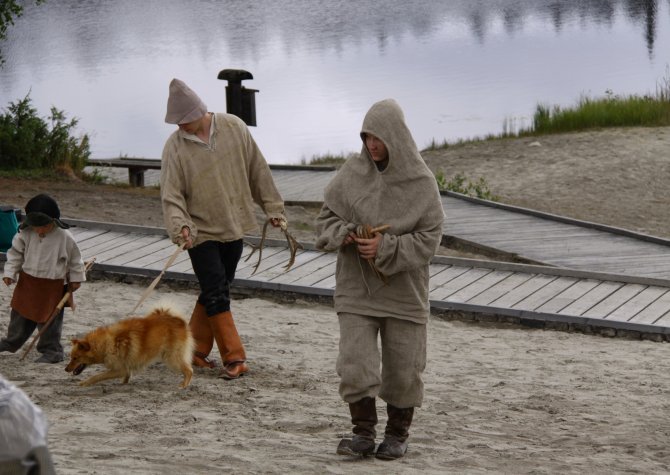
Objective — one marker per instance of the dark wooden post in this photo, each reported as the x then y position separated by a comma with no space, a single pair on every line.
240,101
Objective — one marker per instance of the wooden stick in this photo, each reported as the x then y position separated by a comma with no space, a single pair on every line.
158,278
379,229
366,231
55,312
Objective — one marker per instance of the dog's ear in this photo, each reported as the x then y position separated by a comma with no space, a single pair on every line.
82,344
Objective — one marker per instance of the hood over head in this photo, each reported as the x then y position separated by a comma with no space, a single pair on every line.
386,121
403,194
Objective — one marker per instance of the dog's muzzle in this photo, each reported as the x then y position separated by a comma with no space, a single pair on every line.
76,370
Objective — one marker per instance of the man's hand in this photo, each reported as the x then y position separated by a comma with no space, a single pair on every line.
8,281
367,248
276,222
349,238
186,236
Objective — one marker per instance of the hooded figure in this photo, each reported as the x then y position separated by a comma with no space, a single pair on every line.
382,280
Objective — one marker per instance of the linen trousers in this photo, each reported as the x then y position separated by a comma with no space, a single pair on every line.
394,374
20,329
214,264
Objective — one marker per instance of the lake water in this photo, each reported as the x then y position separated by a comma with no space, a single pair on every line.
458,68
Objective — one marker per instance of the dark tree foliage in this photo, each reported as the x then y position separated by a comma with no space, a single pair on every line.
28,141
9,11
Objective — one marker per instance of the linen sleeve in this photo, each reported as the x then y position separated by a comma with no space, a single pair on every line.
76,270
407,251
331,230
15,257
173,200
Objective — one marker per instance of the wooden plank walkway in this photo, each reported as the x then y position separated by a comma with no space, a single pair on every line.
555,240
527,292
528,235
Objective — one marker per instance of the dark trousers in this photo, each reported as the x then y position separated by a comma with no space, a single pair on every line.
21,328
214,264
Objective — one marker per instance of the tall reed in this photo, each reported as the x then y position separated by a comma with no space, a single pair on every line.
609,111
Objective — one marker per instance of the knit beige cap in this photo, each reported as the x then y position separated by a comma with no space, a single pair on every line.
183,104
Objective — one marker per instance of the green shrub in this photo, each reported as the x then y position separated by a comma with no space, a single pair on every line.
460,184
28,141
96,177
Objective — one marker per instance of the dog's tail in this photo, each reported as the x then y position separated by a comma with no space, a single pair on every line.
167,307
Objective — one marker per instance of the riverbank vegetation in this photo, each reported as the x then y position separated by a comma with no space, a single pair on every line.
610,110
30,142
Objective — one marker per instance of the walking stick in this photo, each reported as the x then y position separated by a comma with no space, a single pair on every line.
158,278
55,312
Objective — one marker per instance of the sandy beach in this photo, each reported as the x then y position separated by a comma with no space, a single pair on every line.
499,398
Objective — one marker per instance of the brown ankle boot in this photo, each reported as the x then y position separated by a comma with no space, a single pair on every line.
394,444
364,419
230,345
202,337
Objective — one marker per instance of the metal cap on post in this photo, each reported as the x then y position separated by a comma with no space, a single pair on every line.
240,101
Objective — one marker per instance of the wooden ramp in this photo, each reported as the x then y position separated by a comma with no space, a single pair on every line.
527,235
527,292
555,240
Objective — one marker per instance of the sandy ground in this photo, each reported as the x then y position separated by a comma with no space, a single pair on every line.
499,398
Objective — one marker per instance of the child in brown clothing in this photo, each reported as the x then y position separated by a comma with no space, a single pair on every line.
45,262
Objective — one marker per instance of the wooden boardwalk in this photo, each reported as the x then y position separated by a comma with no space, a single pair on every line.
555,240
524,234
526,292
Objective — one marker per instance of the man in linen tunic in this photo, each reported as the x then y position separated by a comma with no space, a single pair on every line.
212,173
399,191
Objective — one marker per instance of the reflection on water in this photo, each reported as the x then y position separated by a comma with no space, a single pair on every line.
458,68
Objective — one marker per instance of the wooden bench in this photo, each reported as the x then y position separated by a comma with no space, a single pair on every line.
136,167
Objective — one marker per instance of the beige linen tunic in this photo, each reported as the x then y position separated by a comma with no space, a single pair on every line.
211,188
54,256
41,266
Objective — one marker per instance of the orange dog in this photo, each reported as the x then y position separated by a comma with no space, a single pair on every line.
129,346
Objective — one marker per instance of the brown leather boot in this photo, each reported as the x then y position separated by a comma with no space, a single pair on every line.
394,445
364,419
202,337
230,345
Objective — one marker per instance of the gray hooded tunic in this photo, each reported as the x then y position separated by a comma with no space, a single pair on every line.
403,195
